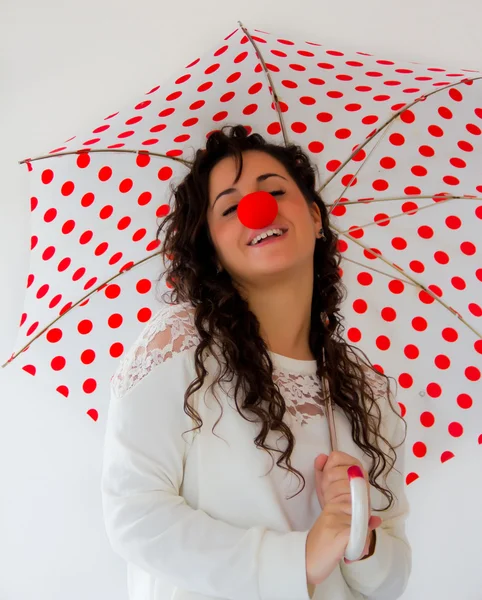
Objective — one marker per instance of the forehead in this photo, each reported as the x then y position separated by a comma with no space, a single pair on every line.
254,163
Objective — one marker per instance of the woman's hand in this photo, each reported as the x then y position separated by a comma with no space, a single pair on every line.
333,486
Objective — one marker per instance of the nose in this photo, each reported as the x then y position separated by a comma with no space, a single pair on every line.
257,210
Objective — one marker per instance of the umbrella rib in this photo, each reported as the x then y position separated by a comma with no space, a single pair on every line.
363,163
377,270
268,75
389,218
188,163
385,125
415,281
432,196
97,289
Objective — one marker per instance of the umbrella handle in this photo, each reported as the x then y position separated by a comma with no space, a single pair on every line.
359,514
359,496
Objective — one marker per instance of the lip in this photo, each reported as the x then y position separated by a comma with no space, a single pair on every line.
283,229
270,240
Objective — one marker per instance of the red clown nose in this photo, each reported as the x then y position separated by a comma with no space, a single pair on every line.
257,210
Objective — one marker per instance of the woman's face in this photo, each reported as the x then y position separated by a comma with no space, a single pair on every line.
230,237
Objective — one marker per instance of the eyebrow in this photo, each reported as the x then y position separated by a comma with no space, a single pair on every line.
259,178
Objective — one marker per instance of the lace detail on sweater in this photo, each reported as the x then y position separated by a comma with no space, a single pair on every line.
172,330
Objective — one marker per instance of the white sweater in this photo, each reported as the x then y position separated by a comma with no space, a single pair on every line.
206,515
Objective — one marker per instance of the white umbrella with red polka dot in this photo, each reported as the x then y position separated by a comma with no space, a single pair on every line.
398,147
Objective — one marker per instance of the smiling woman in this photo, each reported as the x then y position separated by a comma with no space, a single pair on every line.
206,514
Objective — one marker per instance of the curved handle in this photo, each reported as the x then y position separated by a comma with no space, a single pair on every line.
358,488
359,514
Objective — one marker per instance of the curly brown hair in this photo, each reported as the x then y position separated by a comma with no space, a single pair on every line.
223,315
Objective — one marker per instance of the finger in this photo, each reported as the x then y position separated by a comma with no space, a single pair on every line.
374,522
338,458
337,474
344,508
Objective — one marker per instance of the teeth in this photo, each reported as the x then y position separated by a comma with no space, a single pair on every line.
258,238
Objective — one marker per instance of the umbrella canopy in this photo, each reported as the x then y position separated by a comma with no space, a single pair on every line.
398,147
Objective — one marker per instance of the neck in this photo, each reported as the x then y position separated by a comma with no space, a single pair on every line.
283,310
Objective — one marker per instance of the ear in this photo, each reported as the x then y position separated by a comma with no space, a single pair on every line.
316,214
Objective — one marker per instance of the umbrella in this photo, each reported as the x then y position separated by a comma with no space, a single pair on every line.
398,148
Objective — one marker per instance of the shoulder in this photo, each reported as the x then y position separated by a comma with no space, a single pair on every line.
169,332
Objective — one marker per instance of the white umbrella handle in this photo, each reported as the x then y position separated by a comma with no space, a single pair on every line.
359,514
359,497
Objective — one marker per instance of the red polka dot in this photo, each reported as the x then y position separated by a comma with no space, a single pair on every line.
453,222
411,351
419,324
472,373
434,390
396,286
387,162
425,297
449,334
419,171
89,386
458,283
356,232
464,401
468,248
410,207
417,266
427,151
441,257
298,127
125,185
112,291
411,477
47,176
455,429
360,306
165,173
399,243
397,139
382,219
445,456
58,363
405,380
388,314
354,334
382,342
427,419
425,232
475,309
419,449
67,188
364,278
442,362
435,131
105,173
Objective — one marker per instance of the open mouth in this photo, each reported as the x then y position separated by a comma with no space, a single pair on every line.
269,240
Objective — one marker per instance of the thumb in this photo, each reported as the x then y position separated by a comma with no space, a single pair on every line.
374,522
320,461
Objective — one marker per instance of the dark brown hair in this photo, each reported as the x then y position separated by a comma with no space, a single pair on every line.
222,314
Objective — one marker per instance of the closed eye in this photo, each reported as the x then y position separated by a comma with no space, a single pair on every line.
228,211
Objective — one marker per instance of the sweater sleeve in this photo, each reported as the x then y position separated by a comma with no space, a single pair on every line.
385,574
149,523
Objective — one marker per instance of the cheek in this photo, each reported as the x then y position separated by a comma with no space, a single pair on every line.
226,235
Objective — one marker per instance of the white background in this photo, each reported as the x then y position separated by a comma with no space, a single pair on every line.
64,65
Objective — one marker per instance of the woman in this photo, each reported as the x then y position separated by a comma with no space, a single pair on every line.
192,499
